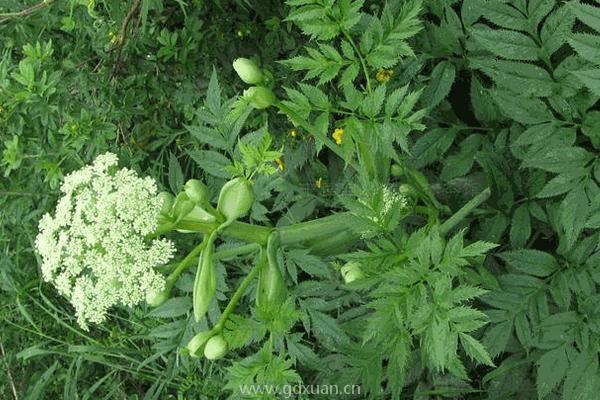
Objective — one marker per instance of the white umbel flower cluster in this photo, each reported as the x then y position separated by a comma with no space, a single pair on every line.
94,250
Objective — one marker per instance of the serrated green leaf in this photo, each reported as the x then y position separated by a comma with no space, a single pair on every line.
538,9
371,105
524,110
507,44
552,367
503,15
440,83
496,337
533,262
522,78
212,162
590,78
587,46
520,228
587,13
582,381
175,174
559,160
523,329
556,29
475,350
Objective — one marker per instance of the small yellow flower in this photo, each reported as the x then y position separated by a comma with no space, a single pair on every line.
294,133
280,164
319,183
384,75
338,135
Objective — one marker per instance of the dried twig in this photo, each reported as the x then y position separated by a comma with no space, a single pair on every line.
10,378
128,17
25,12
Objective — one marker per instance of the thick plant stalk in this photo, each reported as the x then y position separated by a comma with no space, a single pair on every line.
464,211
303,232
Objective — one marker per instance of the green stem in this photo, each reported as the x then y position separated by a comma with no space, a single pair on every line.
236,298
238,230
360,57
186,262
320,228
236,251
313,230
464,211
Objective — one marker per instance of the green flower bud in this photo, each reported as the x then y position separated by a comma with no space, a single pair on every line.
351,272
215,348
260,97
205,284
199,214
236,199
396,170
183,205
271,288
196,191
196,345
167,200
248,71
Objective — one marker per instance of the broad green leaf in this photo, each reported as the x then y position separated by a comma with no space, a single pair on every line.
503,15
470,11
556,29
373,102
484,107
552,367
538,9
533,262
590,78
523,329
520,228
587,13
560,160
574,211
561,184
175,174
582,380
535,134
507,44
496,337
524,110
587,46
440,83
522,78
432,145
212,162
460,164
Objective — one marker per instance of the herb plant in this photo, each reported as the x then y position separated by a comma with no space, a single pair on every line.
227,200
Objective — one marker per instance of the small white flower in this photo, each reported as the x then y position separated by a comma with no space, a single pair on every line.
94,249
